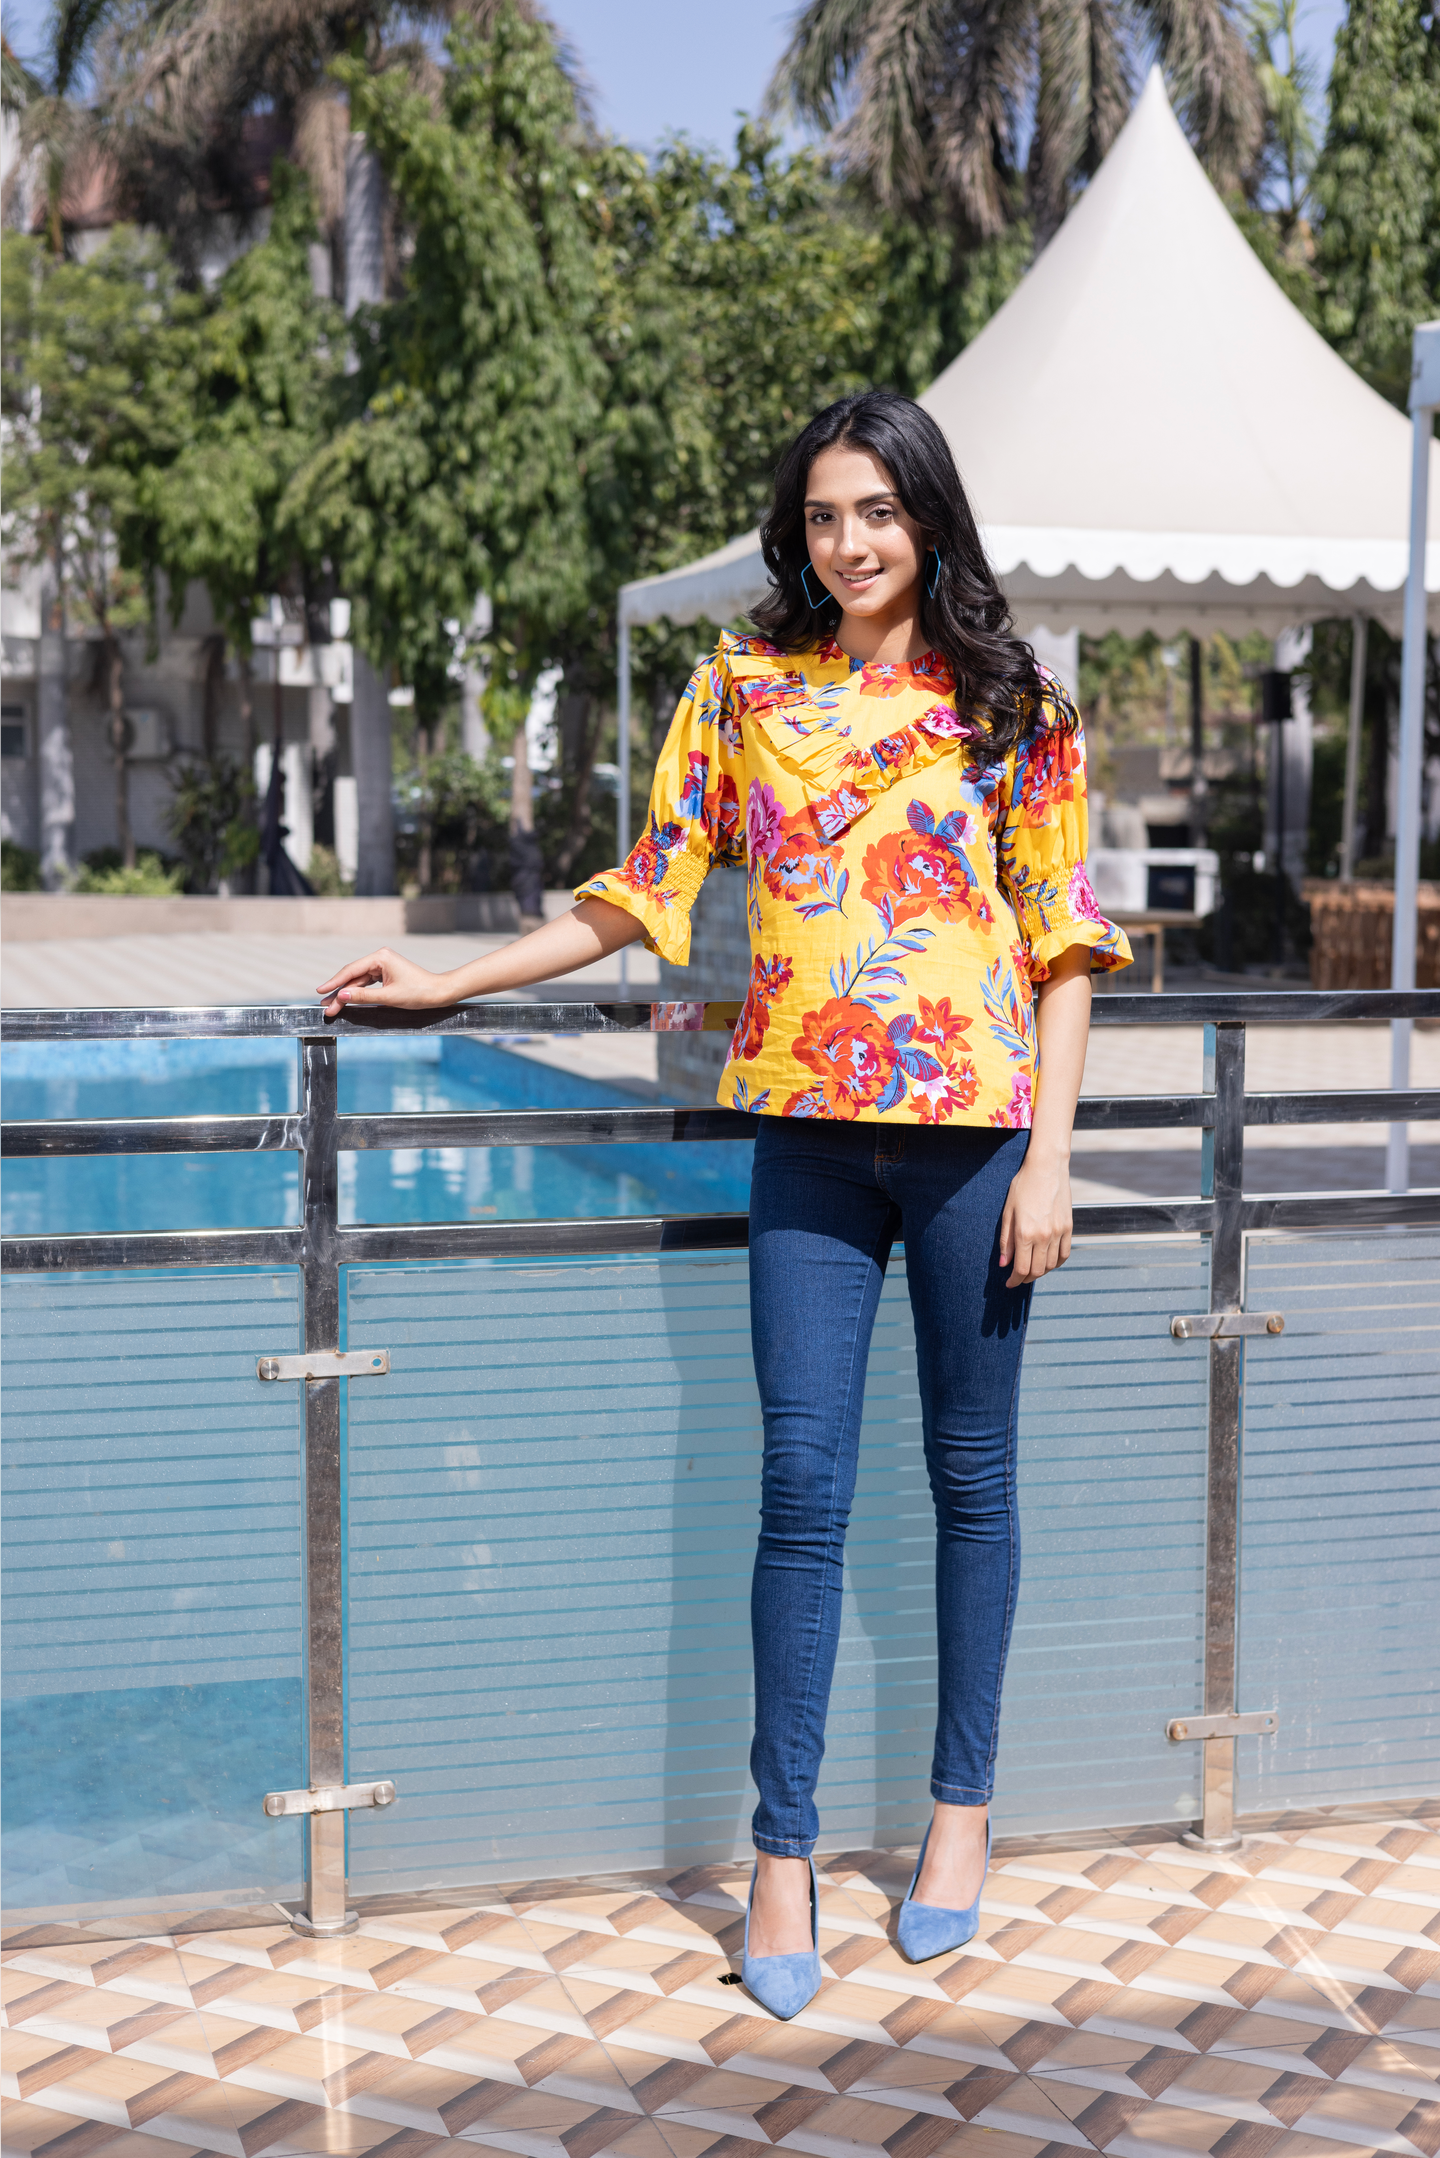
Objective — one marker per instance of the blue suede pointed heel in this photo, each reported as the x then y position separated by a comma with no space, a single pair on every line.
784,1984
925,1930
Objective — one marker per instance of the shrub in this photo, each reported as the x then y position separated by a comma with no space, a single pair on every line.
212,816
149,879
324,874
19,868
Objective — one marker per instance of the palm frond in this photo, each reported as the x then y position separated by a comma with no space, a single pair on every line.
978,124
890,134
1082,99
828,40
70,35
17,83
180,78
1207,59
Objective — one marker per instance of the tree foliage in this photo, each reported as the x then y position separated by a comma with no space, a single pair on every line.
458,463
95,391
1377,186
737,297
264,360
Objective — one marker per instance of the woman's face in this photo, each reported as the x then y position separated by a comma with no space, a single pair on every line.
865,547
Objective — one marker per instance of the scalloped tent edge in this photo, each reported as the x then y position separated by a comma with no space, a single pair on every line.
1153,436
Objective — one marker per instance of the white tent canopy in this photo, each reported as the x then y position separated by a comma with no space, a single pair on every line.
1152,435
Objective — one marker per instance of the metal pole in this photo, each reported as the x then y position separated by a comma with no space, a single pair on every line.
325,1913
1277,736
1222,1486
1359,644
622,713
1424,400
1198,786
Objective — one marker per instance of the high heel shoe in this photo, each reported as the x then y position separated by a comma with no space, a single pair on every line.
925,1929
784,1984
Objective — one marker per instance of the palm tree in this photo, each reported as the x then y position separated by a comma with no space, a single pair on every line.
53,123
1287,157
931,102
186,84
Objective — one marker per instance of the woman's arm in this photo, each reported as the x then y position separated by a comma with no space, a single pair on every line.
1036,1225
592,930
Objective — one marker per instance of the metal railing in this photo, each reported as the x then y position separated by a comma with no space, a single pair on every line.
320,1246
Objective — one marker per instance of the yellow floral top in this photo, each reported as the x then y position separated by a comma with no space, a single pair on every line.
903,895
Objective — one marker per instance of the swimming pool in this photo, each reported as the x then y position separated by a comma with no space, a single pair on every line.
249,1078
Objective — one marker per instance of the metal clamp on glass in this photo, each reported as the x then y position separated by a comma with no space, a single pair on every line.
326,1364
1227,1325
1254,1725
329,1798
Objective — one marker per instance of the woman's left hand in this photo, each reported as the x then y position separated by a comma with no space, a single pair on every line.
1036,1226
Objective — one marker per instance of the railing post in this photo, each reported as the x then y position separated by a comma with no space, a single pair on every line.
325,1911
1222,1484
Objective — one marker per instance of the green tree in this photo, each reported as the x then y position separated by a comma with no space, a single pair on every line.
1377,186
265,358
96,396
459,466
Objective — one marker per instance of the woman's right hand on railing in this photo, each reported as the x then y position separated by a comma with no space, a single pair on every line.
386,978
591,931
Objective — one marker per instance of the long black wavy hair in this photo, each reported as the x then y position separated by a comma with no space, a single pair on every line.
966,618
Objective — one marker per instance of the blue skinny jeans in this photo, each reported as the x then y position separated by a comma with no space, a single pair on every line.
827,1200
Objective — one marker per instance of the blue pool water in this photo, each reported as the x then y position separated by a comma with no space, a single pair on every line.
219,1078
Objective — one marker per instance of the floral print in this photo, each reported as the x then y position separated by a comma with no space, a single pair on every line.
904,895
768,978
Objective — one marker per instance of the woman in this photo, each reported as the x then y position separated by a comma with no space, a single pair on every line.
906,790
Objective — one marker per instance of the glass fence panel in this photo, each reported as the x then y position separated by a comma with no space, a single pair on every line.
1340,1511
152,1677
551,1516
1109,1629
401,1076
84,1194
549,1503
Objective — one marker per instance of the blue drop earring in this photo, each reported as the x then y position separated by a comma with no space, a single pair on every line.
805,588
933,584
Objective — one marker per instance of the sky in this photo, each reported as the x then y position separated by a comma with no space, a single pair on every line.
659,67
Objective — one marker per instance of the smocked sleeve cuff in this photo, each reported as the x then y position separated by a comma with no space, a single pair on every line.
1051,922
662,908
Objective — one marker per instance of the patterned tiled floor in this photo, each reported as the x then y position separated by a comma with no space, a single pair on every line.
1136,1998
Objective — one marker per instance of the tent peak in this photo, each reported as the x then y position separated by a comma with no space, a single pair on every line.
1150,432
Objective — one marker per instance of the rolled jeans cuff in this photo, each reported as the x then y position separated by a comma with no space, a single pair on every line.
960,1794
781,1847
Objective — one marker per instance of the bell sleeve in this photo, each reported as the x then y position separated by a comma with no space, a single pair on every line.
1043,839
694,817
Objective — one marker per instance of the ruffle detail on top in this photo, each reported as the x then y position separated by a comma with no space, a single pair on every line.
1051,921
659,888
841,777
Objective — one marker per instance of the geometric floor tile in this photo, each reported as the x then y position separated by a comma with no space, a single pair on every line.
1137,1998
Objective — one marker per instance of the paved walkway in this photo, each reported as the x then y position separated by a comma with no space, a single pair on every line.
205,969
1130,1996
